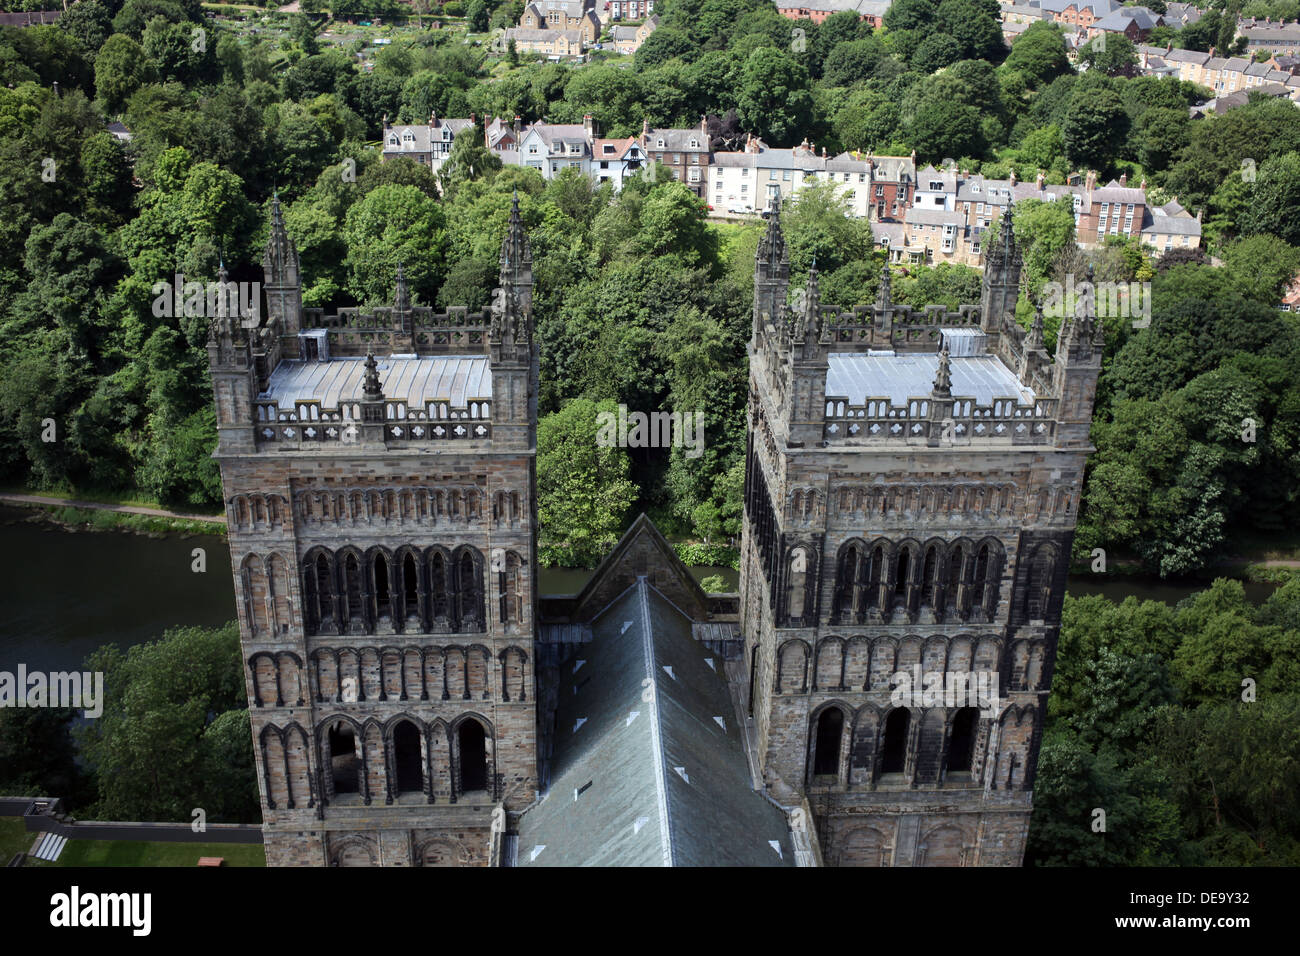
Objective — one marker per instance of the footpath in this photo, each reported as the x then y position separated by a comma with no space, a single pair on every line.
18,499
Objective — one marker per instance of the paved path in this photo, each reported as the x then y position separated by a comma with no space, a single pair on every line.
101,506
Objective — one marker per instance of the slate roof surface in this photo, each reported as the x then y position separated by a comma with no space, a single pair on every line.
413,380
642,774
861,376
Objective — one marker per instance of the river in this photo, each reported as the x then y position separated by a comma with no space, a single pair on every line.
68,592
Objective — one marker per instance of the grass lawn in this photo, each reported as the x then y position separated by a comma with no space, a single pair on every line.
13,838
140,853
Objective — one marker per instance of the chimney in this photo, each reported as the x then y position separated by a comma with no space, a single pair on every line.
1090,182
645,127
1211,51
1143,184
1013,176
1123,179
1198,214
704,124
1040,181
589,124
433,117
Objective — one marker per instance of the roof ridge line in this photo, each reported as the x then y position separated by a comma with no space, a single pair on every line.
656,735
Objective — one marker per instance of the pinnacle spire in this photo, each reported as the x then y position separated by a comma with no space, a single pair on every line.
372,388
1035,338
943,376
402,295
883,294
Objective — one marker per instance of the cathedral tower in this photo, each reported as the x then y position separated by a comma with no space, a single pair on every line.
912,483
378,473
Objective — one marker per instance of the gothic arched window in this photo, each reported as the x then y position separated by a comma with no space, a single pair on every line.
826,745
961,745
893,755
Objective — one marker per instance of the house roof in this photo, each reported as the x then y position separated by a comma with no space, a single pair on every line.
934,217
1119,20
621,147
679,140
649,766
1183,12
891,231
423,135
1099,8
530,35
1272,33
1171,219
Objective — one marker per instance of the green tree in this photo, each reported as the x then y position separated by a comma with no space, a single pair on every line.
1039,54
395,225
1095,127
1115,56
164,729
774,98
1274,206
120,69
583,491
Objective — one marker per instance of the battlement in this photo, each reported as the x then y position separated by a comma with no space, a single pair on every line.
890,373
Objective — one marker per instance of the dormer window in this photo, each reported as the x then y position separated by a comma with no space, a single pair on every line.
936,186
408,137
695,144
392,139
660,142
446,134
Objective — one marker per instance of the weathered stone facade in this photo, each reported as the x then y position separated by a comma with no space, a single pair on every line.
928,531
383,549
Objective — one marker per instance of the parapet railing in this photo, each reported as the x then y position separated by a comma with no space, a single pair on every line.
877,419
309,422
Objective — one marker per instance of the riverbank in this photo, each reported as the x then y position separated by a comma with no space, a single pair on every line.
78,514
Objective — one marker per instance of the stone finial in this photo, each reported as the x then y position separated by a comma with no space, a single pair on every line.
883,294
372,389
402,293
943,376
1035,338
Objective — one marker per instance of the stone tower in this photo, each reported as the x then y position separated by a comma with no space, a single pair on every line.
912,484
378,474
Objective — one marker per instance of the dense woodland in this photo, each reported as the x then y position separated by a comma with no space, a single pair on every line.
642,301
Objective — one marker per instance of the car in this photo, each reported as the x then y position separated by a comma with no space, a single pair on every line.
741,210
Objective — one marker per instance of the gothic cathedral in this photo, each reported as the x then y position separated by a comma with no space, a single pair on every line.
912,483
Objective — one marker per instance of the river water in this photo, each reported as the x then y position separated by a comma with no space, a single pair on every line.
65,593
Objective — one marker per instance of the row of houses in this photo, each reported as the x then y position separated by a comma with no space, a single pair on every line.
1083,20
569,28
926,216
1225,76
872,11
1275,36
953,210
